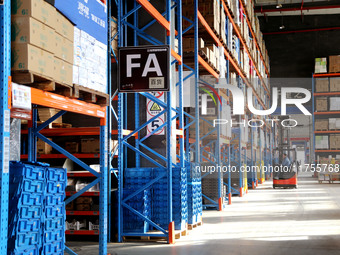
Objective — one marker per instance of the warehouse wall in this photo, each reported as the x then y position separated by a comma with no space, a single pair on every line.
292,55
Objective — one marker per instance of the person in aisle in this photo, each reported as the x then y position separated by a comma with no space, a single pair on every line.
285,160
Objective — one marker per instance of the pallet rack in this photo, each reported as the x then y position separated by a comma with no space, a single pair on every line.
317,114
166,163
65,104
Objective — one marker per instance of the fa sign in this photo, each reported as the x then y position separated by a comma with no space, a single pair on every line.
144,68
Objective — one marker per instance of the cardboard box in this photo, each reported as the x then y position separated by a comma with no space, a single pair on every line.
34,32
321,124
37,9
63,48
334,64
334,103
47,113
320,65
334,141
83,207
90,145
28,57
321,85
321,104
334,84
84,200
43,148
63,71
64,27
321,142
70,206
72,147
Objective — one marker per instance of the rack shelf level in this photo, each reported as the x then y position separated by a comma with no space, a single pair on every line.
85,194
85,213
82,232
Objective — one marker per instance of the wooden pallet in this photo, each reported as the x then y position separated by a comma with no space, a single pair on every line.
90,95
178,235
42,82
56,125
322,129
192,226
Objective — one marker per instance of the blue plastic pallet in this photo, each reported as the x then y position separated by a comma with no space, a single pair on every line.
54,248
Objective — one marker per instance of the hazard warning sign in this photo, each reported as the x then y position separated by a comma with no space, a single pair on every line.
153,109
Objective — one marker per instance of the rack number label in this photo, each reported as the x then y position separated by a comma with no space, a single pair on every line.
153,109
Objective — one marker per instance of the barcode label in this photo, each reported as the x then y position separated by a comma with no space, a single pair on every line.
7,124
156,83
6,155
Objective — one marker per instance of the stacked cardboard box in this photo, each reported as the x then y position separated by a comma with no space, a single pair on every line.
321,85
320,65
114,30
334,103
42,40
90,61
334,141
321,104
334,64
334,123
321,142
334,84
321,124
46,113
90,145
189,44
43,148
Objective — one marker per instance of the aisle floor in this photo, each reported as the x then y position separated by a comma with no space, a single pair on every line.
265,221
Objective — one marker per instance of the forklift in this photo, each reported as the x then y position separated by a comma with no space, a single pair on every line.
285,176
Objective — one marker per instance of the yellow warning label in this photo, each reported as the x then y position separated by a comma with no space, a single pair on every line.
155,107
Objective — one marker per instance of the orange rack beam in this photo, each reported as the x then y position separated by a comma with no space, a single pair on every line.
207,67
326,113
82,232
52,100
327,132
156,14
237,30
327,150
228,56
253,35
321,75
327,94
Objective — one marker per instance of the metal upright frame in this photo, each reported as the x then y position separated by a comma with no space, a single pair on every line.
64,104
5,68
165,163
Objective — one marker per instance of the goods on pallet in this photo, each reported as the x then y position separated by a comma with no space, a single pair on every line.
46,113
334,141
321,142
334,84
29,57
90,145
43,148
320,65
334,124
334,64
72,147
334,103
322,124
321,104
37,209
194,194
114,31
322,85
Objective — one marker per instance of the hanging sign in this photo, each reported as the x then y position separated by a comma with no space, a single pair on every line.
21,102
152,110
143,69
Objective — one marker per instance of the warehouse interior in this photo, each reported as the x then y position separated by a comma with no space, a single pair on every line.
170,127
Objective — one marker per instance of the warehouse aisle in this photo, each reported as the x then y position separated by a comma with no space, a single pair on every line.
265,221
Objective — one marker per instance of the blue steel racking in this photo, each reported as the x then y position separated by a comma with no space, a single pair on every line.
52,101
168,162
5,68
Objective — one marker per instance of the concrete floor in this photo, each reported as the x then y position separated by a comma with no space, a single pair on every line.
265,221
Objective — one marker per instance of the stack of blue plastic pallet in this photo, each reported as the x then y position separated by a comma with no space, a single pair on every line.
136,178
54,208
36,209
194,194
179,199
